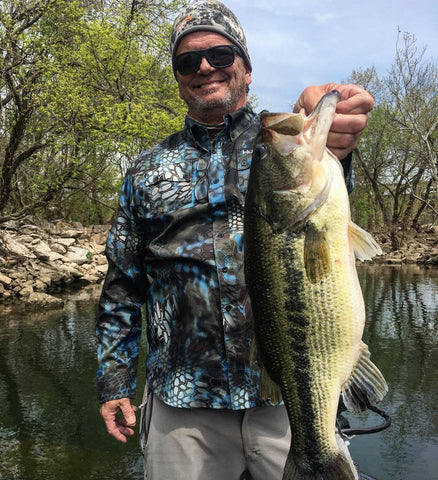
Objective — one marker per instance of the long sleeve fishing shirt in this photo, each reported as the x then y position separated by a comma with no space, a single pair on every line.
176,246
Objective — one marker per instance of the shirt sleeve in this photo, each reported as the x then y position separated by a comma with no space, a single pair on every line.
119,312
347,165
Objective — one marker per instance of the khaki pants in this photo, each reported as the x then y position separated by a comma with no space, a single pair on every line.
214,444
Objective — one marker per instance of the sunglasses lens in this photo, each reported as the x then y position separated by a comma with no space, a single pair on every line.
221,56
188,63
218,57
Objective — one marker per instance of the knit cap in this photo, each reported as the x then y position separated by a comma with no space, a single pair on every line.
213,16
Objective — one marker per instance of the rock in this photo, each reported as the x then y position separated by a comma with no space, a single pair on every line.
102,269
58,248
87,267
99,238
393,260
40,286
43,300
78,255
55,277
45,253
42,250
70,270
20,275
13,247
97,249
89,279
46,280
100,260
26,291
66,242
4,280
2,289
72,233
101,229
432,229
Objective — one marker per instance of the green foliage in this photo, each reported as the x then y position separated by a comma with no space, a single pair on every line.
396,161
85,87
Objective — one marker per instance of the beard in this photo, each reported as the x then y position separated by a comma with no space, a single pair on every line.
209,110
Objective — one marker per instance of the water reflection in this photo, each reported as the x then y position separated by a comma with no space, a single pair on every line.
50,428
402,331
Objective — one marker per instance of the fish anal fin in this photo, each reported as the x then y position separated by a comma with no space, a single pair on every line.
364,245
268,388
366,384
316,254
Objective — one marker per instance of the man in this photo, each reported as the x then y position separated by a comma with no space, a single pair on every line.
176,245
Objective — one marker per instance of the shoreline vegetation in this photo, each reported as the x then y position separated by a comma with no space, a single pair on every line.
40,259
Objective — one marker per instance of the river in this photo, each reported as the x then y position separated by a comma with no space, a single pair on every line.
49,422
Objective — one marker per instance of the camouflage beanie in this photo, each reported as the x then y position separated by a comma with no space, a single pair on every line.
213,16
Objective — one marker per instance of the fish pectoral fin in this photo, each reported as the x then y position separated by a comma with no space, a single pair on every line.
268,388
366,384
316,254
364,245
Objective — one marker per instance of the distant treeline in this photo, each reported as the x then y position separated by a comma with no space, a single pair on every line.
85,86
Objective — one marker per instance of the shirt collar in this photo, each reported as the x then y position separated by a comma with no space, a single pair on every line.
235,124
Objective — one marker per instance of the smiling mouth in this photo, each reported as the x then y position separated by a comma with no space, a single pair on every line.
210,83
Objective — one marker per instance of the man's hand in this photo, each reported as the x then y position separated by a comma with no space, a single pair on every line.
351,114
118,427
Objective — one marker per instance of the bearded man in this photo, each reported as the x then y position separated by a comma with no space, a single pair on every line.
176,246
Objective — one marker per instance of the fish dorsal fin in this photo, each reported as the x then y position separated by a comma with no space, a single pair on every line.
316,254
364,245
268,388
366,384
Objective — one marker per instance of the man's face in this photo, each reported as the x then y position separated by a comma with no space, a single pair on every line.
211,92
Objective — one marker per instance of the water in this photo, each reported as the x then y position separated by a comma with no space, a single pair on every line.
49,422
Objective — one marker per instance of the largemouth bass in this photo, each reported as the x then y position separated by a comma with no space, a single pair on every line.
308,310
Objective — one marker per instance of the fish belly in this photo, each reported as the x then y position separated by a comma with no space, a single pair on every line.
308,335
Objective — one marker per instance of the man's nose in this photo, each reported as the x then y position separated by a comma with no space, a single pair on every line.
205,67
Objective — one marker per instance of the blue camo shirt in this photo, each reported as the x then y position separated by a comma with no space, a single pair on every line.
176,245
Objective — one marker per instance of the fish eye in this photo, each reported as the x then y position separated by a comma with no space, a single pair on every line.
261,151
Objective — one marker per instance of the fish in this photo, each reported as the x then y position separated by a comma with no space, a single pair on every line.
300,247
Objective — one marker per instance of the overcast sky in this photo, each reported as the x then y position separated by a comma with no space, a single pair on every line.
296,43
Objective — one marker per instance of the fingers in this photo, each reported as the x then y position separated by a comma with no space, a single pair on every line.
127,411
341,144
354,100
345,133
351,114
118,427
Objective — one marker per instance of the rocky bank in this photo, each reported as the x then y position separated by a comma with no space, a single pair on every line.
39,259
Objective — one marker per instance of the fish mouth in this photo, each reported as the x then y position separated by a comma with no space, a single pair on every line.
291,130
288,132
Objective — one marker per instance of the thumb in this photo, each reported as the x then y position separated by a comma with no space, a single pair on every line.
128,412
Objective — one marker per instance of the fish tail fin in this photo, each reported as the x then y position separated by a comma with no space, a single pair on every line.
366,384
338,468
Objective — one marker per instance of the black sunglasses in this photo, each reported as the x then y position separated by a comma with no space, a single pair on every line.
220,56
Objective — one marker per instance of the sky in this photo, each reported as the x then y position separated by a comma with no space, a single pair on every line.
297,43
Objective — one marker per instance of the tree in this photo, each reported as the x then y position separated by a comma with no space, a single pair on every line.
85,87
397,155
